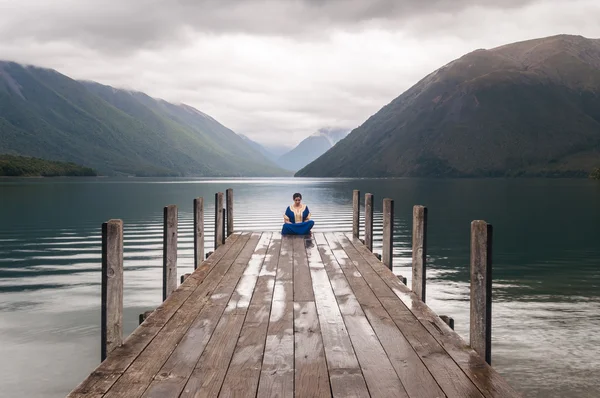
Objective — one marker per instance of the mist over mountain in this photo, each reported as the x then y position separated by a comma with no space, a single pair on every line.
530,108
48,115
311,148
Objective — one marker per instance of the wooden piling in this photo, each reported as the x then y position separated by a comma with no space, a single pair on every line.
355,213
481,289
198,231
448,321
369,221
112,287
419,251
169,250
219,219
229,207
388,232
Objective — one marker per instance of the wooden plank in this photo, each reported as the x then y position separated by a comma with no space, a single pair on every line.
388,233
198,231
369,221
229,208
355,213
244,370
112,287
302,284
277,373
379,374
419,251
311,377
487,380
219,222
345,375
175,372
480,330
109,371
411,370
169,250
135,380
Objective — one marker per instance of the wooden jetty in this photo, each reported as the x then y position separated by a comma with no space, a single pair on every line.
267,315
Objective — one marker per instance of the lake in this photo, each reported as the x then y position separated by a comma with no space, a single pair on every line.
546,264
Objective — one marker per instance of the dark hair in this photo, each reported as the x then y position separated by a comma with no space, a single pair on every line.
297,195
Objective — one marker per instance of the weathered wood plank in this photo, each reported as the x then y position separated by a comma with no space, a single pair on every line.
109,371
345,375
487,380
355,213
198,231
229,208
302,285
277,373
415,377
311,377
112,287
369,221
480,330
207,312
419,251
169,250
243,374
136,379
379,374
387,253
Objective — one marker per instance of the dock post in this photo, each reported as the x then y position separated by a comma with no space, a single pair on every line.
355,213
388,232
198,231
112,287
229,205
480,332
419,251
369,221
169,250
218,219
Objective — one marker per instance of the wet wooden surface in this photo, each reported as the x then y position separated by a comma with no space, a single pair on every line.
273,316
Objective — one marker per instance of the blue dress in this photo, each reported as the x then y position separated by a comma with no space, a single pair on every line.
301,224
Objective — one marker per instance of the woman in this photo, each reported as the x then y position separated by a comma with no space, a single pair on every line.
297,218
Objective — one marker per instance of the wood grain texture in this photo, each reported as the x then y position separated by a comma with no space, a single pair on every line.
112,287
169,250
356,213
229,210
369,221
302,285
109,371
480,330
219,221
419,251
198,231
387,253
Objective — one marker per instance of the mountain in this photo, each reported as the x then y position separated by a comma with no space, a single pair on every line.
48,115
530,108
22,166
311,148
260,148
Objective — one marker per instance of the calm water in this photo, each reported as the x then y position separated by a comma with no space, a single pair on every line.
546,310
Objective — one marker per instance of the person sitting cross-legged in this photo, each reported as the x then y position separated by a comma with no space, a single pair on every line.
297,218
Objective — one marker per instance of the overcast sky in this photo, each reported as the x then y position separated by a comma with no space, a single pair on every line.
274,70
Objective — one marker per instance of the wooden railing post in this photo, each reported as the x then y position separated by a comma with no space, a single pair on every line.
112,287
198,231
169,250
481,289
355,213
219,219
388,232
369,221
419,251
229,206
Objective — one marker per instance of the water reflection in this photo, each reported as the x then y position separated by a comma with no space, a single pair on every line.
546,264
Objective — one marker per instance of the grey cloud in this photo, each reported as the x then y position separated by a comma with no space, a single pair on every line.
120,26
